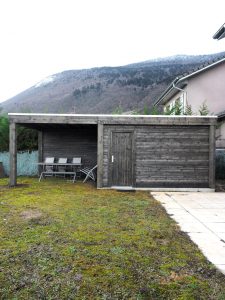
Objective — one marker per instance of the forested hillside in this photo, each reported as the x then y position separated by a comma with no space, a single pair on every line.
103,90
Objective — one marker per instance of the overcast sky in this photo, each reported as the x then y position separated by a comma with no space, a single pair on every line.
43,37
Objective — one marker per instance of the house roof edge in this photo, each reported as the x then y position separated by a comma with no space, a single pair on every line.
179,79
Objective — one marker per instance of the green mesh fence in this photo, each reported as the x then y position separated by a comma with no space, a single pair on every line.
25,163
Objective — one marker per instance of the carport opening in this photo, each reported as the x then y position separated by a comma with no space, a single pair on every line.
66,141
70,141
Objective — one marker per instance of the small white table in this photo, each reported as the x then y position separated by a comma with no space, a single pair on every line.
55,172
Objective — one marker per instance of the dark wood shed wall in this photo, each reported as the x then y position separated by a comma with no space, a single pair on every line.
71,141
172,156
164,155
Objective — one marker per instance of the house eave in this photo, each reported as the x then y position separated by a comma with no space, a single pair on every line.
220,33
171,90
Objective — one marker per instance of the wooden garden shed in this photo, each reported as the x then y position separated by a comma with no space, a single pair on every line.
132,151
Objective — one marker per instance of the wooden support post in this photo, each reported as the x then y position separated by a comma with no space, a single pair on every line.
212,156
100,156
40,150
13,154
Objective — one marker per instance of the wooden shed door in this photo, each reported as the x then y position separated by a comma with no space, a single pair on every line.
122,159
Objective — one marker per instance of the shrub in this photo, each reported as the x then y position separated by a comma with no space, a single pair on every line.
27,139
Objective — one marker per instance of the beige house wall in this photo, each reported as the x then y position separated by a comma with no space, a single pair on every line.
208,87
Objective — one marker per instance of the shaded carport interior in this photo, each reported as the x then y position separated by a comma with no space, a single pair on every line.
63,140
56,139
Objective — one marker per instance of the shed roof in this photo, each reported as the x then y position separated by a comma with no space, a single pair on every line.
43,120
181,82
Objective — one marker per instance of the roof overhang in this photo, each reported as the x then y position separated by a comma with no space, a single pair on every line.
174,88
220,33
43,120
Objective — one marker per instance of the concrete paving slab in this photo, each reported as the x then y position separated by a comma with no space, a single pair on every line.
215,204
215,253
185,218
221,268
194,227
216,227
176,211
222,236
202,217
189,204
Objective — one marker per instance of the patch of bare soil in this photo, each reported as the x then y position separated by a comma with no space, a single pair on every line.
14,187
20,185
4,187
31,214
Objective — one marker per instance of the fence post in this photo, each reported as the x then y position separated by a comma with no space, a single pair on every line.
2,172
13,154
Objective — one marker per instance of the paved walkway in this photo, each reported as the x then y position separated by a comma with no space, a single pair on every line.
202,216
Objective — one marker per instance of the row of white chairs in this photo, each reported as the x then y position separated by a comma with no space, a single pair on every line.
61,166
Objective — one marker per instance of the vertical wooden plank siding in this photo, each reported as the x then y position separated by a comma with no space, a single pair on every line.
122,163
100,156
212,156
40,149
13,154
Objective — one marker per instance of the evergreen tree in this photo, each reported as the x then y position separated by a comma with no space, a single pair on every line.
146,110
188,110
178,108
203,109
168,110
118,110
135,112
27,139
4,133
154,111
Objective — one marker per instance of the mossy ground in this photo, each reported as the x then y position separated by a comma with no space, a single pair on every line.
60,240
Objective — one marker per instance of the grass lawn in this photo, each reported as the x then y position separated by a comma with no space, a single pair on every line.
60,240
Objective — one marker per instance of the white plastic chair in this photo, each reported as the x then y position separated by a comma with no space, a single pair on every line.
63,167
76,160
48,169
49,160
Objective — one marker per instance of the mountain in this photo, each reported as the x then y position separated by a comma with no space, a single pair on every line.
102,90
